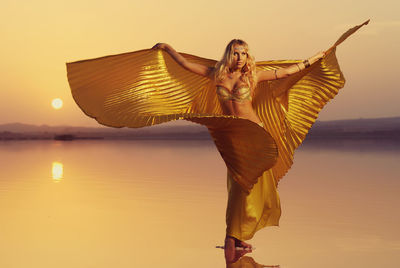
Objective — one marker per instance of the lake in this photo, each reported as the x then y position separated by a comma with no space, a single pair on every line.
162,204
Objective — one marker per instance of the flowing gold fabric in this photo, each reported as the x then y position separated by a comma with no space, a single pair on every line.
242,143
289,107
289,114
148,87
247,213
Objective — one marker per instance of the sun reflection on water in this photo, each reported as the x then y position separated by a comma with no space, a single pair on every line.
57,171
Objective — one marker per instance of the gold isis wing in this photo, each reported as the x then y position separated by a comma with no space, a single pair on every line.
147,87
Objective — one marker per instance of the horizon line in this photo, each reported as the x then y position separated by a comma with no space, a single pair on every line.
190,123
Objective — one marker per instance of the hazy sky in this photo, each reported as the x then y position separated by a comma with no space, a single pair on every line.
39,37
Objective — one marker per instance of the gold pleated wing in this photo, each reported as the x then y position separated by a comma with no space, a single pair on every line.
290,106
141,88
148,87
247,149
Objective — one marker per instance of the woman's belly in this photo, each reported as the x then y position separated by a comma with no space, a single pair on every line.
240,109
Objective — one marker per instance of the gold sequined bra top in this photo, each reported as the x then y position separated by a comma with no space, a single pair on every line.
239,94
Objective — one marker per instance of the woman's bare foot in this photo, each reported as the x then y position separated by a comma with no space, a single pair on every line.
242,244
235,249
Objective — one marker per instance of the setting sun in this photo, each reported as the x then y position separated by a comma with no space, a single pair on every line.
57,103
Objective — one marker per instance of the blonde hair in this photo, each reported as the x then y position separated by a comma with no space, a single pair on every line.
226,63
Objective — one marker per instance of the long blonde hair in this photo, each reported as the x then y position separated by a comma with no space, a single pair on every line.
225,65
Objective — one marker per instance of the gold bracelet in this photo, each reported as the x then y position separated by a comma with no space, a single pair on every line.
306,63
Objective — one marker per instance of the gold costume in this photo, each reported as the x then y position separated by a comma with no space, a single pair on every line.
240,94
148,87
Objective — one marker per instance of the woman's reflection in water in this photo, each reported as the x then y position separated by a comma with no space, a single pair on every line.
248,262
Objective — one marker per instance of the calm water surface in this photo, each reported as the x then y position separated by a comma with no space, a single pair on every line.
162,204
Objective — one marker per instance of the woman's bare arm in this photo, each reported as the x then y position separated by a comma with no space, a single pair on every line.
292,69
190,66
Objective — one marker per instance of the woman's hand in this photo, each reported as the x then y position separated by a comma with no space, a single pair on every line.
317,57
159,46
200,69
320,55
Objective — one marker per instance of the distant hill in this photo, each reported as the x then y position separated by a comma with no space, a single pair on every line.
379,128
26,128
164,131
387,123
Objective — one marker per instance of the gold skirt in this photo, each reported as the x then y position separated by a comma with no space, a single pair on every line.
247,213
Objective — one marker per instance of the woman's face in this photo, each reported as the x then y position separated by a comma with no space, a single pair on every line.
239,56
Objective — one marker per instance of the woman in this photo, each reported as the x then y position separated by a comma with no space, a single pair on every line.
257,113
235,78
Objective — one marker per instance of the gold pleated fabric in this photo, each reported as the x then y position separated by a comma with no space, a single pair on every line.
289,107
148,87
289,114
247,213
242,144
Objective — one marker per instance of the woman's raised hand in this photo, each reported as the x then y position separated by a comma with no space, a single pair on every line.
317,57
159,46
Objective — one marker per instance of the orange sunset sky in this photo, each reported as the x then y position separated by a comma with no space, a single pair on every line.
39,37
